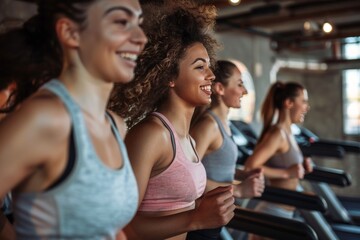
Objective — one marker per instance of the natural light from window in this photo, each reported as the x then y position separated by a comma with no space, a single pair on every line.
351,88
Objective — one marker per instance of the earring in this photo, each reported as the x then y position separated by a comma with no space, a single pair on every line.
171,84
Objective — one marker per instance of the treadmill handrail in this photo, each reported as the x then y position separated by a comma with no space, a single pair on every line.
329,175
271,226
348,146
297,199
322,150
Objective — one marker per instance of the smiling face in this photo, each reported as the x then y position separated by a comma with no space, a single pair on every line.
112,39
234,90
193,84
300,107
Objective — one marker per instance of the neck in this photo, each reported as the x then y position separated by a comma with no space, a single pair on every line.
285,120
221,110
179,116
89,93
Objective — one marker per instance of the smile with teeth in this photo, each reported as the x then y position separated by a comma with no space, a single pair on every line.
129,56
206,89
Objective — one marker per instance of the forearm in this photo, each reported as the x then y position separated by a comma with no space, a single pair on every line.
146,227
276,173
240,174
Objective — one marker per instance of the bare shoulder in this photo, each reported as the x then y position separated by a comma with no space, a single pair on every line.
43,113
274,135
206,125
149,140
31,135
150,129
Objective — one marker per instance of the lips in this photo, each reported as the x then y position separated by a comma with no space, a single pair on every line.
206,89
129,56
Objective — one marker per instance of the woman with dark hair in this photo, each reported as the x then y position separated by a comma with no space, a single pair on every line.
277,151
173,77
218,152
61,152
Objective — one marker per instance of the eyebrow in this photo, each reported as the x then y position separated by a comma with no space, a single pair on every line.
199,59
125,9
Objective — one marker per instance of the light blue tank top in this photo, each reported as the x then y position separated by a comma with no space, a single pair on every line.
220,164
93,202
289,158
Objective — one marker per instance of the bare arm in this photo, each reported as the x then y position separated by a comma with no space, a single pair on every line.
264,150
205,134
28,140
252,185
147,157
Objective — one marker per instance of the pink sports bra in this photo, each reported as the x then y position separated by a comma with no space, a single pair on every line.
179,185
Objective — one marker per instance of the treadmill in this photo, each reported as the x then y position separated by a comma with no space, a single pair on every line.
324,229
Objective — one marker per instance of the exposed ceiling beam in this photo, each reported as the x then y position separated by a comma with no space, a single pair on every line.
274,15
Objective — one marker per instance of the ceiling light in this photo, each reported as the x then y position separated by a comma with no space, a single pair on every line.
234,2
327,27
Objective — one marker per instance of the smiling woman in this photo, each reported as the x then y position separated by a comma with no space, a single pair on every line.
61,152
277,151
173,77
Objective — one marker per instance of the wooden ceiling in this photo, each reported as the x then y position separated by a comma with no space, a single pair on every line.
283,20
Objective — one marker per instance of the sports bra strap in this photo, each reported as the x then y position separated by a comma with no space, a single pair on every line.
161,118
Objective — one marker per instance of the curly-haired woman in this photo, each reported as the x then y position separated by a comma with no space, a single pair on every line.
173,77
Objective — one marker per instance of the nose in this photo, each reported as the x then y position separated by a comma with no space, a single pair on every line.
139,37
245,92
210,76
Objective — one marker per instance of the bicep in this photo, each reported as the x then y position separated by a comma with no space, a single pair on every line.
29,137
22,149
263,151
144,152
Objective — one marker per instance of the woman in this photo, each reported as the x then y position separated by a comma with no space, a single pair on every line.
277,151
214,145
172,78
60,151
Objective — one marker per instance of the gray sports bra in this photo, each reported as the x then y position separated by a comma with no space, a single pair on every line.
289,158
220,165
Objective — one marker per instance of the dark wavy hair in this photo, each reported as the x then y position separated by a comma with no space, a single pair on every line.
31,54
171,27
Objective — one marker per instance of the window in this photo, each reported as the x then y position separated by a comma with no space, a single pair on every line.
351,88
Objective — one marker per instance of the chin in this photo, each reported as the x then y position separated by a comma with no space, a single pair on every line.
204,103
125,78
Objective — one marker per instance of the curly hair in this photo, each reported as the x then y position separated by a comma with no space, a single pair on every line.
171,27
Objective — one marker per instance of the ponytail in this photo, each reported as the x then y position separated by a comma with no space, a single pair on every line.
274,102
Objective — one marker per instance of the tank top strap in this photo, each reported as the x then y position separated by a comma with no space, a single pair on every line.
74,110
115,130
219,123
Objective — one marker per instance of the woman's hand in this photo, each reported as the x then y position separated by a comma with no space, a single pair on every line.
215,208
308,165
252,186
